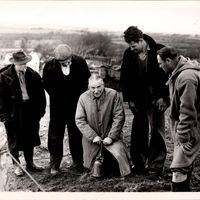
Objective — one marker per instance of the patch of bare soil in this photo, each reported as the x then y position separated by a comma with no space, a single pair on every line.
72,182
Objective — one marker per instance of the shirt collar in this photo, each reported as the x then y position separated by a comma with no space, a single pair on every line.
18,70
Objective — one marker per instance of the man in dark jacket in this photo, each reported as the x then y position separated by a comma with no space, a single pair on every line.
65,78
22,104
143,87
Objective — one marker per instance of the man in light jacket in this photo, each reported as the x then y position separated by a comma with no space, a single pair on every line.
100,117
184,86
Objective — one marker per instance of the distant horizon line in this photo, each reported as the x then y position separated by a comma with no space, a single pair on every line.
17,29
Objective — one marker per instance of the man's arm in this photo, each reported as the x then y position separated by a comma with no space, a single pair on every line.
46,79
41,96
81,122
124,79
118,118
188,113
4,115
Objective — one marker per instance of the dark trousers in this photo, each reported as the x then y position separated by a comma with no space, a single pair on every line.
147,140
110,164
28,155
55,142
23,133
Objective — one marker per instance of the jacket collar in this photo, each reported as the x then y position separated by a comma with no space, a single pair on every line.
11,76
10,73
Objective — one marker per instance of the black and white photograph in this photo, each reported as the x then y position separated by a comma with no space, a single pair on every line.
99,99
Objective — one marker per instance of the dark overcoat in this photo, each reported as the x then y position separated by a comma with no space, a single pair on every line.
64,91
135,83
22,127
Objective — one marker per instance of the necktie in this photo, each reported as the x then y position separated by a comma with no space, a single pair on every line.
22,78
23,85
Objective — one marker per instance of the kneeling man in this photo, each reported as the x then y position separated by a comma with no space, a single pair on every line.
100,117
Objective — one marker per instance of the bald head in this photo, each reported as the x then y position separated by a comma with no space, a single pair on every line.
95,78
96,85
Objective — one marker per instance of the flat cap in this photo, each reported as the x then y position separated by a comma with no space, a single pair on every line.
62,52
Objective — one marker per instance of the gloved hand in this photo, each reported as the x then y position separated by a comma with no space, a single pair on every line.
107,141
97,140
161,105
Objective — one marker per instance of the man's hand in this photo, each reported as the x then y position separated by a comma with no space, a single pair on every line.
97,140
188,146
161,105
132,107
4,118
107,141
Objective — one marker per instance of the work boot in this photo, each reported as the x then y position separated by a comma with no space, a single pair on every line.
181,187
54,171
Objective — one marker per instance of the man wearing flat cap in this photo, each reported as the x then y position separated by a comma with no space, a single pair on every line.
65,79
22,104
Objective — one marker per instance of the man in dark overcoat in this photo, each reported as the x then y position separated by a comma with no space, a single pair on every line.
65,79
143,87
22,104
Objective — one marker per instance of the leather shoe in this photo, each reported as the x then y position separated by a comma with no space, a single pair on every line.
34,168
77,168
54,171
18,171
154,174
138,170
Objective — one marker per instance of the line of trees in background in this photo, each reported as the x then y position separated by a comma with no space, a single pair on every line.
84,43
94,44
106,48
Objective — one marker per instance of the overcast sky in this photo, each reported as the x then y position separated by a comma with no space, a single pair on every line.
150,16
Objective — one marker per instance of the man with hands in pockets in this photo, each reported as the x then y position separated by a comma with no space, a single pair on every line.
184,87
